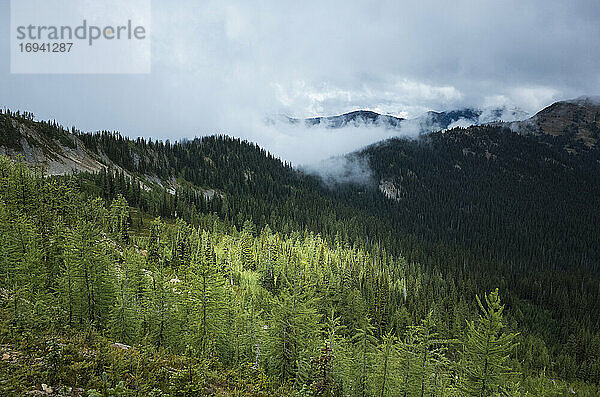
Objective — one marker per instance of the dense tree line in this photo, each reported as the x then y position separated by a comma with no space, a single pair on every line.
479,209
484,206
314,317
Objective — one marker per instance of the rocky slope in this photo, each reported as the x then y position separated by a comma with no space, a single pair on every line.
58,151
577,120
47,145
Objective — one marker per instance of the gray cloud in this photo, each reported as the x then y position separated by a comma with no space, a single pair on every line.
223,66
347,169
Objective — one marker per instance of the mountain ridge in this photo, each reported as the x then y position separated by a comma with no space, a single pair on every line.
483,206
430,121
577,119
62,151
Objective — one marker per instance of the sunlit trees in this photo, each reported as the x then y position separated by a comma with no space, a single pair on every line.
365,346
486,350
88,279
291,307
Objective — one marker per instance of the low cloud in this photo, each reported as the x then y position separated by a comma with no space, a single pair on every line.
392,95
463,123
222,67
305,145
347,169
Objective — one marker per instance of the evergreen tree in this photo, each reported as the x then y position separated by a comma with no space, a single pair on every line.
365,345
486,350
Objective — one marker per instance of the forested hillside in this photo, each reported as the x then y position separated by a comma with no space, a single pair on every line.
258,279
280,314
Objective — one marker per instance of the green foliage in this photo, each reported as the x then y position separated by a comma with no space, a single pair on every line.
173,308
425,364
486,350
365,347
476,209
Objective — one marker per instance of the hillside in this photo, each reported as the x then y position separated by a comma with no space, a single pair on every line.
93,305
577,120
524,197
446,217
46,144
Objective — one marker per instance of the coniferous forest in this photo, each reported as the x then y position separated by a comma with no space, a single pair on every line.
249,277
357,198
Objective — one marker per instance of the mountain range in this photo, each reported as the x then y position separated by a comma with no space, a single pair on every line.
429,122
60,151
506,204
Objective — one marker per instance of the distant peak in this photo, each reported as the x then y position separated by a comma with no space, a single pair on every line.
585,100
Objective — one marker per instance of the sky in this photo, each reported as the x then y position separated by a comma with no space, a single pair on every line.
226,66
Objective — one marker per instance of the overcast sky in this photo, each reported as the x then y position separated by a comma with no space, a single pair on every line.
223,66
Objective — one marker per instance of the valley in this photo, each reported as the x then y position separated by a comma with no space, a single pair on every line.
223,270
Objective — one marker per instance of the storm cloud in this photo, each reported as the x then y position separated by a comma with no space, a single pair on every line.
222,67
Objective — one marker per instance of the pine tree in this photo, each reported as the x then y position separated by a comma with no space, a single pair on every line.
365,345
293,334
205,294
125,315
87,279
119,219
486,350
425,364
385,373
